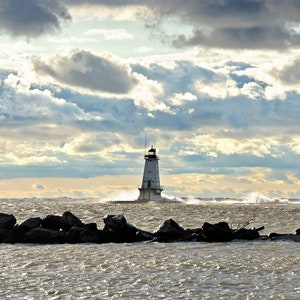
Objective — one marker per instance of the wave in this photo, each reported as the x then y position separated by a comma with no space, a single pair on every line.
131,197
251,198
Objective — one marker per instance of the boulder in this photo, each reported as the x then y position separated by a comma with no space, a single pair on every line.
284,237
89,236
7,221
29,224
142,236
91,226
70,220
169,231
54,222
106,236
193,235
117,230
126,234
219,232
296,238
114,222
84,234
247,234
46,236
74,235
8,236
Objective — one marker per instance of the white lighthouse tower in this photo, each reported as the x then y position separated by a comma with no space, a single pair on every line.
151,189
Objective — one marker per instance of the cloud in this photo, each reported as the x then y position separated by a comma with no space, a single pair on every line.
290,73
82,69
19,102
113,3
111,34
39,186
254,37
31,18
99,9
243,24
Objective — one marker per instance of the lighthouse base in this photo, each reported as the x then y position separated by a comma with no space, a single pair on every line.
150,195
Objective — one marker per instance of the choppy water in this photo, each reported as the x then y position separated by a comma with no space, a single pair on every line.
236,270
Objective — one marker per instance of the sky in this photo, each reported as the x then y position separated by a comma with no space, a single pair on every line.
85,85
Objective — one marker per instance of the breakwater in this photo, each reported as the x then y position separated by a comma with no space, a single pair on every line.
68,228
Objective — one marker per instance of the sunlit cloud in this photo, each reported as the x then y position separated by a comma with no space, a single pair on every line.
111,34
84,85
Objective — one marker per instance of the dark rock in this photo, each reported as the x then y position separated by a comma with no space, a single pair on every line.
106,236
169,231
54,222
89,236
46,236
29,224
74,235
7,221
68,228
91,226
247,234
142,236
284,237
117,230
8,236
84,234
124,235
193,235
70,220
114,222
296,238
219,232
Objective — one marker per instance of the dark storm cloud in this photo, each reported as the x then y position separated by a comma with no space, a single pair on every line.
241,38
31,18
85,70
254,24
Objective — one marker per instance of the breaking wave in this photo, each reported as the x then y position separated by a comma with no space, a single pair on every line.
251,198
131,197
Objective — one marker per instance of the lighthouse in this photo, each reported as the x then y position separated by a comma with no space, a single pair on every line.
151,189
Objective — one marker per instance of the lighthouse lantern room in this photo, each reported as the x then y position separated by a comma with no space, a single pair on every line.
151,189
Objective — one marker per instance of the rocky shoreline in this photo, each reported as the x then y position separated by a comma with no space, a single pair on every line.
68,228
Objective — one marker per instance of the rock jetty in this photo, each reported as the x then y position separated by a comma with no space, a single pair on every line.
68,228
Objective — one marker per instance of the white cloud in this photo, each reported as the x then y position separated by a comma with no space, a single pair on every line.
252,90
214,145
146,94
100,11
111,34
217,89
180,98
19,101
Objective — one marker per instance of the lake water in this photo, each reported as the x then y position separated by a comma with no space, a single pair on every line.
236,270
